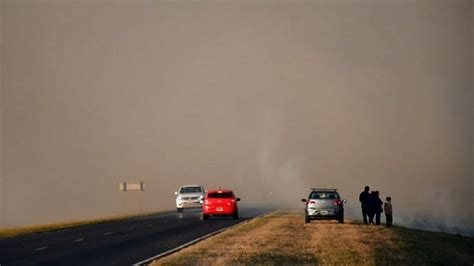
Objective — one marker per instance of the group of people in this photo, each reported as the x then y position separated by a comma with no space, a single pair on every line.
372,207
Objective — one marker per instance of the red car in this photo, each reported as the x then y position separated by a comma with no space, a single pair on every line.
220,202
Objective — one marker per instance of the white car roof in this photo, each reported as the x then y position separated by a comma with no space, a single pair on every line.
191,186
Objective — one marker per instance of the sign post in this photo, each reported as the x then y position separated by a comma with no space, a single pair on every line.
124,187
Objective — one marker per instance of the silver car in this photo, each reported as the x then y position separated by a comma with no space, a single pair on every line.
189,196
324,204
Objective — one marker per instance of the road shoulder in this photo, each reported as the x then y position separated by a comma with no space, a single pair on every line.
284,238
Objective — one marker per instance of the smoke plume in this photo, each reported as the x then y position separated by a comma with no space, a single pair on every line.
267,98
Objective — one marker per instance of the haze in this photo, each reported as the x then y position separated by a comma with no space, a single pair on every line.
268,99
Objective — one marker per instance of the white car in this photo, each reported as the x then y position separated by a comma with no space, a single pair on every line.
189,196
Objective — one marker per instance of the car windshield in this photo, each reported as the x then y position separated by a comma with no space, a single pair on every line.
185,190
323,195
222,195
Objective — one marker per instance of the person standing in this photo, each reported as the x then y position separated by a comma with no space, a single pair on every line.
378,208
372,207
387,207
364,203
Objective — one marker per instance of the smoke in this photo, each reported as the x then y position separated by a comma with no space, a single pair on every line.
268,99
280,174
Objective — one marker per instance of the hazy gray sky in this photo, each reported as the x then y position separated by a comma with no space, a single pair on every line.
257,97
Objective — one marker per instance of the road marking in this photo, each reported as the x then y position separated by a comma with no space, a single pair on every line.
108,234
192,242
79,240
41,248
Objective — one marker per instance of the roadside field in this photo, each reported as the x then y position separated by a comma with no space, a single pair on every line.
16,231
284,238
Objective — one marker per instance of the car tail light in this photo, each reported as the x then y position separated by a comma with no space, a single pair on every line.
338,202
312,202
206,202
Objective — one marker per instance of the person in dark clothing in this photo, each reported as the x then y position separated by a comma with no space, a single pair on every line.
378,208
364,203
371,207
387,207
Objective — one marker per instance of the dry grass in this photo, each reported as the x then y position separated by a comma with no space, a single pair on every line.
16,231
268,238
283,238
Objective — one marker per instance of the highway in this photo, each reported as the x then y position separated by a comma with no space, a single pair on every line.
117,243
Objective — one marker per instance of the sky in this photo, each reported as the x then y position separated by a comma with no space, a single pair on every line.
268,98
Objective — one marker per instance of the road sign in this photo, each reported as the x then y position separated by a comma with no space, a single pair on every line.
124,186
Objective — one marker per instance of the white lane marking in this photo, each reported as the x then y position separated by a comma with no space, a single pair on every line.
192,242
79,240
108,234
41,248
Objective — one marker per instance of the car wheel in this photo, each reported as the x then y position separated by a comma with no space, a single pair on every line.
235,216
179,210
306,219
205,216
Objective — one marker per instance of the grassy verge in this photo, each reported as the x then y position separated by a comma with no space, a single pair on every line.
283,238
16,231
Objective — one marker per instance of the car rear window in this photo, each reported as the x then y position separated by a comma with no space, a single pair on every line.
323,195
222,195
190,190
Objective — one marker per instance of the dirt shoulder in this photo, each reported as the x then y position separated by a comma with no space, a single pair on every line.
284,238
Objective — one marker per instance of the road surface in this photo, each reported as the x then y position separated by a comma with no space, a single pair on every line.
116,243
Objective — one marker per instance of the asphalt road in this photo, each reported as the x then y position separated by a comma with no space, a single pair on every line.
118,243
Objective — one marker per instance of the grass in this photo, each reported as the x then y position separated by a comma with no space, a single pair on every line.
423,247
29,229
283,238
